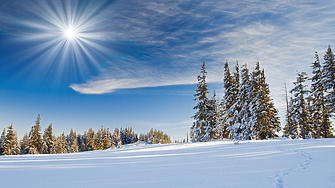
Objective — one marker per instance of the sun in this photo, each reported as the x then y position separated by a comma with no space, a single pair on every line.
70,33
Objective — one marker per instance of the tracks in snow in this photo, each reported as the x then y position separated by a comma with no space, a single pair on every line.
279,182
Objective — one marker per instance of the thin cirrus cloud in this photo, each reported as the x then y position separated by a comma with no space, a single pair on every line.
283,35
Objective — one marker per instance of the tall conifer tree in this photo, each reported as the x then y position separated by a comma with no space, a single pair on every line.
242,124
267,120
11,145
227,101
34,145
328,78
23,144
299,105
49,141
2,141
199,130
319,108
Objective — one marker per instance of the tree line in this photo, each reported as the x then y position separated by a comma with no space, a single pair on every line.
36,143
247,111
309,109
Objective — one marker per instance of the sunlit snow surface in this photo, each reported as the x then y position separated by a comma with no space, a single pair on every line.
270,163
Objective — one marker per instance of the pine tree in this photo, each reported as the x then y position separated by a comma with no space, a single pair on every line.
228,101
235,107
328,78
298,104
213,117
2,141
116,140
44,149
61,146
48,141
106,142
23,144
267,120
72,142
81,144
291,126
90,146
200,128
319,109
35,137
74,146
257,105
11,145
242,126
98,140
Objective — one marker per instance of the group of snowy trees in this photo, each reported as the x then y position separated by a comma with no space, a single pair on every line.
309,110
245,112
48,143
155,137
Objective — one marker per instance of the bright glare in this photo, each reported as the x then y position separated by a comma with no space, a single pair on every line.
70,33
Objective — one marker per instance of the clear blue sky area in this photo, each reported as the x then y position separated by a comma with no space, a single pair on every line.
83,64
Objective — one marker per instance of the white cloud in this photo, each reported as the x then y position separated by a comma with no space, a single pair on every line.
110,85
283,35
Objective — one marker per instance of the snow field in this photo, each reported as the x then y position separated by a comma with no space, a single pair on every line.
264,163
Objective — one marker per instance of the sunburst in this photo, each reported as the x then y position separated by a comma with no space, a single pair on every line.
69,31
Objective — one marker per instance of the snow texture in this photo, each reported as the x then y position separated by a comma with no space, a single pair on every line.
264,163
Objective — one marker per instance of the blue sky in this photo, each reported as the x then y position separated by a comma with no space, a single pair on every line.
135,63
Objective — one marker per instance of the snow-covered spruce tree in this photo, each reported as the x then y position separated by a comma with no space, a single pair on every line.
298,104
2,141
35,138
65,144
256,104
201,130
116,140
11,145
290,129
213,116
49,141
263,109
72,142
30,146
328,78
80,142
61,146
236,107
74,147
98,139
23,144
228,101
44,149
90,146
319,109
242,126
106,141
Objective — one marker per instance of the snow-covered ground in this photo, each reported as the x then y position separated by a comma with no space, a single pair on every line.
267,163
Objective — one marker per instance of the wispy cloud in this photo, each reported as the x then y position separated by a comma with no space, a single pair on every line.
175,37
110,85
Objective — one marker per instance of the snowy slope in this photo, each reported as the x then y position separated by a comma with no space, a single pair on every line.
269,163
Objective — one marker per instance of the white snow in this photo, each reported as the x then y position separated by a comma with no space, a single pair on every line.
265,163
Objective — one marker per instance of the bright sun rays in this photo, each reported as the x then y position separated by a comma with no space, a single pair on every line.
67,33
70,33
